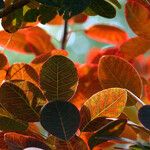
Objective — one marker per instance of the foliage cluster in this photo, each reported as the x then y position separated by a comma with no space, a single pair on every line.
54,103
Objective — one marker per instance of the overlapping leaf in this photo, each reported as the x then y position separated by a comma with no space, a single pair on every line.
114,128
3,61
18,141
106,103
137,16
116,72
22,71
28,40
58,78
107,34
61,119
16,102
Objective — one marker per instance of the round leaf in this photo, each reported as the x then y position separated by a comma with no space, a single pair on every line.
144,116
60,118
58,78
116,72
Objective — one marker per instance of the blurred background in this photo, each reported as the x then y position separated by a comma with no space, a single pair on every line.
78,44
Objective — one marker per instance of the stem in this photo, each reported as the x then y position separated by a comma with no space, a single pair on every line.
11,8
136,98
64,39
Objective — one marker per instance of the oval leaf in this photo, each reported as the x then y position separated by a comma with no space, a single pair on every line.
60,119
107,34
144,116
137,16
114,128
58,78
14,100
116,72
107,103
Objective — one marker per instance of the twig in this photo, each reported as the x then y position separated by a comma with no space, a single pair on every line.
64,39
11,8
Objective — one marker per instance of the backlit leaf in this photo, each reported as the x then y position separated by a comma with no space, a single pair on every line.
137,16
107,103
61,119
14,100
9,123
58,78
114,128
143,115
134,47
2,75
116,72
22,71
17,141
29,40
75,143
2,142
107,34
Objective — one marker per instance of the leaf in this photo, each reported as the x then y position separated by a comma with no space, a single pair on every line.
13,21
22,71
106,103
135,47
38,61
114,128
29,40
107,34
116,72
9,123
11,96
2,142
58,78
137,16
2,76
61,119
2,4
143,115
75,143
115,3
3,61
102,8
17,141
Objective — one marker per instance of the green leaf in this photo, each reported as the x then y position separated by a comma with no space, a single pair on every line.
115,3
103,8
58,78
47,13
60,119
8,123
13,22
16,102
31,15
114,128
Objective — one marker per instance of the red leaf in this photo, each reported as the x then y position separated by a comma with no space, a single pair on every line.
29,40
17,141
3,145
107,34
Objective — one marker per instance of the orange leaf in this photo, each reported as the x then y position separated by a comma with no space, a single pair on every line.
3,61
138,18
107,34
80,18
29,40
18,141
114,71
134,47
58,20
2,75
3,145
22,71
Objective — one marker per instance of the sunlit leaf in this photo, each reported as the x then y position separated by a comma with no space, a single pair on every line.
116,72
134,47
143,115
58,78
29,40
2,76
75,143
61,119
22,71
115,128
107,103
15,101
137,16
17,141
107,34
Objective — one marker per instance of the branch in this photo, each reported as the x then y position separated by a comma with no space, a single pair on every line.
64,39
11,8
